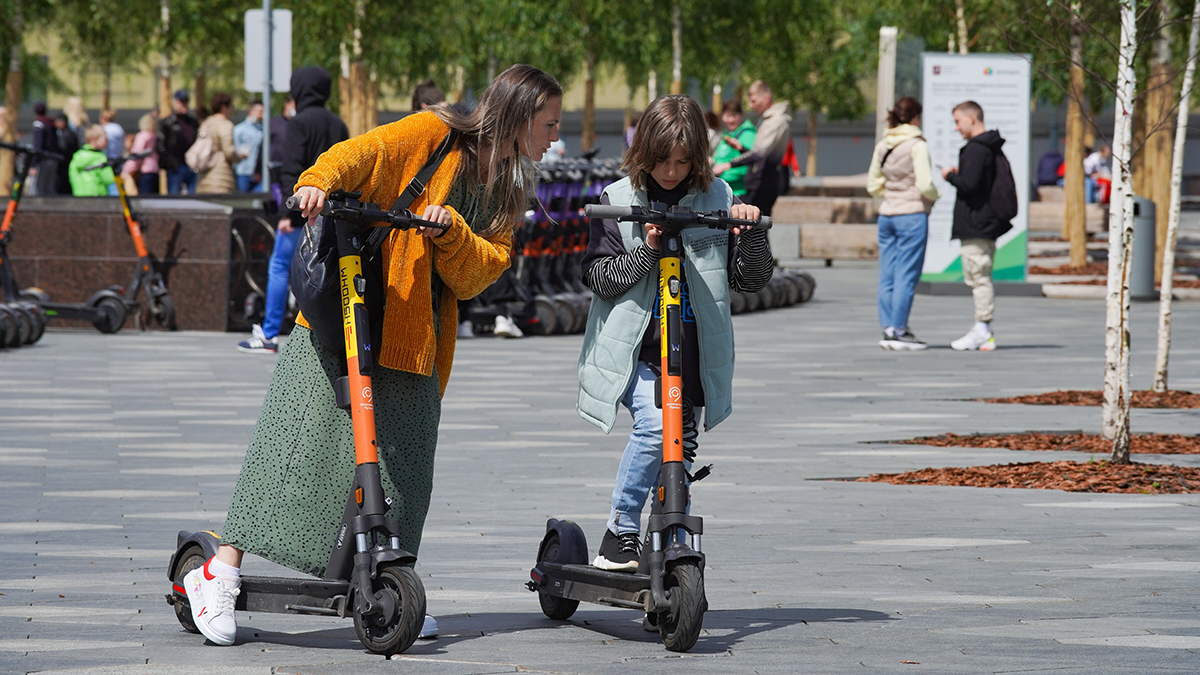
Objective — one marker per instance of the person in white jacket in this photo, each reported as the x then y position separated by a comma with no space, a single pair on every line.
902,174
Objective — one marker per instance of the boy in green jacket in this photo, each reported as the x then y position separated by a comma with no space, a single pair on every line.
91,183
738,139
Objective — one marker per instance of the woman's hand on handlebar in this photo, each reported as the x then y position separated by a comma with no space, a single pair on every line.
436,214
744,212
310,201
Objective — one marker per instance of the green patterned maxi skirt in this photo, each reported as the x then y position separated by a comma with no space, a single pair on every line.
296,477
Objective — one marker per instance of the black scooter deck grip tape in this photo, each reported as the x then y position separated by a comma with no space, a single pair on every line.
607,211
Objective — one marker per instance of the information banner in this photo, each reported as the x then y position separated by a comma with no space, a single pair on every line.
255,55
999,83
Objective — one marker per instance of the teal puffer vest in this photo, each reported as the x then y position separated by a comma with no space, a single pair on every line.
615,328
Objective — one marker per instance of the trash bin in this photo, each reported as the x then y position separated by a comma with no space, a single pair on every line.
1141,274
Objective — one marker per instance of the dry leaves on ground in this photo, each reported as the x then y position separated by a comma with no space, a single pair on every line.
1069,476
1176,398
1149,444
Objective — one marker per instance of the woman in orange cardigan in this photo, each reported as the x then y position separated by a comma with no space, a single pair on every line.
292,488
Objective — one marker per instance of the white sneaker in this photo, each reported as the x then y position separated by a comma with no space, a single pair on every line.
506,327
212,599
429,629
258,343
465,331
975,340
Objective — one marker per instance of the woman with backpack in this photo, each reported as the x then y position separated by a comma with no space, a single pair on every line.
213,154
901,173
291,492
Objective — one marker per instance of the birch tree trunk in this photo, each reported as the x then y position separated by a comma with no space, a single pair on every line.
810,168
676,49
1075,220
1168,263
960,23
1115,419
164,81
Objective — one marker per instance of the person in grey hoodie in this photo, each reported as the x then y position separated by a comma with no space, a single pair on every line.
902,174
764,180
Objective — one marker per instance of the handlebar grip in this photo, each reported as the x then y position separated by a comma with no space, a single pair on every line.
764,223
292,203
607,211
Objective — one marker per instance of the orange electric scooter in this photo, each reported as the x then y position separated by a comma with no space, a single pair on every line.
669,582
368,576
22,321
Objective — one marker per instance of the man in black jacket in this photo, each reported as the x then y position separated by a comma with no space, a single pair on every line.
45,138
976,225
312,131
176,134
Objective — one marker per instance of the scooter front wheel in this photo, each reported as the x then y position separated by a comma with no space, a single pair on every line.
110,315
679,627
162,308
401,597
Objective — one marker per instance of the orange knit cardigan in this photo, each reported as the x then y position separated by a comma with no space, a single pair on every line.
381,163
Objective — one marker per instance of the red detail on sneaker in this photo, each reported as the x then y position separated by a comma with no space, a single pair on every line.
202,611
208,576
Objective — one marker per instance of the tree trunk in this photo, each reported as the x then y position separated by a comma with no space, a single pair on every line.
1115,420
358,99
652,85
810,168
588,139
960,23
1168,268
1157,155
345,104
12,102
1075,220
372,107
676,50
1137,147
716,100
201,88
106,96
164,83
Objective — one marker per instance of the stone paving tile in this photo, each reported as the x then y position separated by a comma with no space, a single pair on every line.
111,444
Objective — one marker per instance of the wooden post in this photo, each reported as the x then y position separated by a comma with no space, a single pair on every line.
1075,220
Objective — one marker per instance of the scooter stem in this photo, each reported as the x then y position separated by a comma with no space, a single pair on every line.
135,230
671,336
358,353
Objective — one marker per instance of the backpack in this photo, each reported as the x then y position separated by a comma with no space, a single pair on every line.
202,156
1003,198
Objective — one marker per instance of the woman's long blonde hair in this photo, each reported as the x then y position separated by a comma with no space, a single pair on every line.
501,121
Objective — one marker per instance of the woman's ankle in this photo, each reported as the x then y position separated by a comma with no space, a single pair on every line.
229,555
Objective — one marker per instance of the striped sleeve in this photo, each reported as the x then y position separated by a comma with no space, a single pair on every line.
753,263
611,276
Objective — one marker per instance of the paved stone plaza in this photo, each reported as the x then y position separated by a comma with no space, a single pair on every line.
111,444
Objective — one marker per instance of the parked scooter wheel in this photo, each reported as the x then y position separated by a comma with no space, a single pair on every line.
564,313
808,285
545,315
39,321
8,328
188,561
34,294
737,302
24,320
679,627
753,302
791,288
401,597
555,607
163,311
112,315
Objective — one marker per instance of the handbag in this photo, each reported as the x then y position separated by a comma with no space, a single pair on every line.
315,276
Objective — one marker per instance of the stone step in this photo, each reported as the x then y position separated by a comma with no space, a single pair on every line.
797,210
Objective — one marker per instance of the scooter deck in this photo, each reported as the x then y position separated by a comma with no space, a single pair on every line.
591,584
282,595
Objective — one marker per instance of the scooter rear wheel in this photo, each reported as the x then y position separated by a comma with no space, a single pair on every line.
401,588
25,324
39,321
162,309
190,560
680,626
8,328
112,315
555,607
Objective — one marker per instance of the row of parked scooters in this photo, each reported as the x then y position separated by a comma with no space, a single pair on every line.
543,291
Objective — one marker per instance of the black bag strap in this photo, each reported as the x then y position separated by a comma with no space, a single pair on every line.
415,187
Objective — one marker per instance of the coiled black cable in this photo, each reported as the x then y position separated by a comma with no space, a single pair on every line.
690,431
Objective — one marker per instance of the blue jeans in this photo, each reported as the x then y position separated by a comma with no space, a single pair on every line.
638,472
246,183
901,255
1091,190
277,281
181,178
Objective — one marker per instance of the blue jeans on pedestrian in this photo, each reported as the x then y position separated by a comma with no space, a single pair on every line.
638,471
181,178
246,183
902,242
277,281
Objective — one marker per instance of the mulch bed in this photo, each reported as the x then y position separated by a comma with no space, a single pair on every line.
1174,398
1178,283
1090,268
1069,476
1157,444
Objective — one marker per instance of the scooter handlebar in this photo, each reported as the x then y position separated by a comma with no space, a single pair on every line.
401,219
30,150
610,212
117,161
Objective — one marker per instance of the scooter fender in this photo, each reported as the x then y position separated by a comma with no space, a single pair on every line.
209,541
390,556
105,293
572,544
677,552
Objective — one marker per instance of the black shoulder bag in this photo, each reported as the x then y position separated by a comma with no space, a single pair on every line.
314,275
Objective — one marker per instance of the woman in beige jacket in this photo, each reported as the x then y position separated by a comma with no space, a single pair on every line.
220,179
901,173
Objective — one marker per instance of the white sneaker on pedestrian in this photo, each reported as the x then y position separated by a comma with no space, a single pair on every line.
465,331
258,343
903,341
975,340
506,327
212,599
429,629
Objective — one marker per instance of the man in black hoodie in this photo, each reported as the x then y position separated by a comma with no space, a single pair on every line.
311,132
976,225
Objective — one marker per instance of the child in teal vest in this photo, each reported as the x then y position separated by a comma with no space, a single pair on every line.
667,163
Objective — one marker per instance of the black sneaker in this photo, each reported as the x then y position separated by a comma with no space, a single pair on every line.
619,553
903,342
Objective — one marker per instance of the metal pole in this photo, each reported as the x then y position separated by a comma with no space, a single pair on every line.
265,183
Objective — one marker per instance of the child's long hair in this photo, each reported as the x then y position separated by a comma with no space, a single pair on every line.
501,120
667,123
